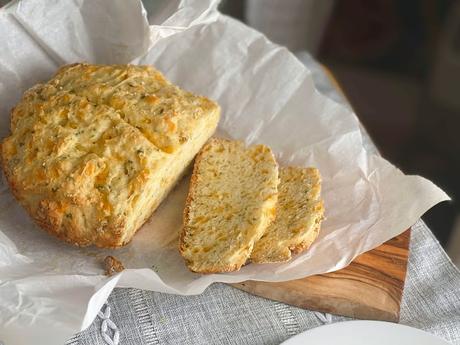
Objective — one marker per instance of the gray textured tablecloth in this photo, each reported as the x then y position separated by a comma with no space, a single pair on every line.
225,315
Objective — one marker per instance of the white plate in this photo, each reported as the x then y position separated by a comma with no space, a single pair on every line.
364,333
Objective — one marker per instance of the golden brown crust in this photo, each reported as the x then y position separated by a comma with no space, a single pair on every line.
189,198
307,243
94,151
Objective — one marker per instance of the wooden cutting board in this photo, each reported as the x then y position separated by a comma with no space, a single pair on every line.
370,287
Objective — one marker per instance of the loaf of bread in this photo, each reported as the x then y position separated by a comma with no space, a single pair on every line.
299,212
94,151
231,201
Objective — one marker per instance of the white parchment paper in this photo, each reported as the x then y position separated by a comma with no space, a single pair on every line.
267,96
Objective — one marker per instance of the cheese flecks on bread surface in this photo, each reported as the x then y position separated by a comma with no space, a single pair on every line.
94,151
299,212
231,201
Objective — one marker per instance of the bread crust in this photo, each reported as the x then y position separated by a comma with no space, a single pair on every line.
299,248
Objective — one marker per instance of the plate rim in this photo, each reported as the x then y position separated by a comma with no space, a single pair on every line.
386,323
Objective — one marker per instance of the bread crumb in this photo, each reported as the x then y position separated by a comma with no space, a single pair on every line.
112,265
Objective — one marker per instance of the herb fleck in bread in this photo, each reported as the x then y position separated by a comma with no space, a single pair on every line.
298,216
231,201
94,151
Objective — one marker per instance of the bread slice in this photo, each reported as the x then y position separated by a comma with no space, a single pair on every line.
95,150
231,201
298,216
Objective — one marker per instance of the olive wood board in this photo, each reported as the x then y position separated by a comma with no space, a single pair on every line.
371,287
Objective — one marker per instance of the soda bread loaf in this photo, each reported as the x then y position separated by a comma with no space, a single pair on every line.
299,212
94,151
231,201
